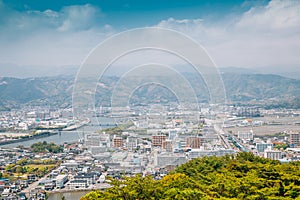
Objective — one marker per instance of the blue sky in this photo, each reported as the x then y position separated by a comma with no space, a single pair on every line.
239,33
130,14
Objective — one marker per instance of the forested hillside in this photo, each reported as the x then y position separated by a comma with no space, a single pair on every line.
268,90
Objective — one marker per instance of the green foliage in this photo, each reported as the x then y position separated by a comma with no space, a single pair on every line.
43,147
10,167
281,146
22,167
22,162
242,176
175,186
118,129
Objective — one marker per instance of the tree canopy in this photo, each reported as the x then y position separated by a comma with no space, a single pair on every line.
241,176
43,147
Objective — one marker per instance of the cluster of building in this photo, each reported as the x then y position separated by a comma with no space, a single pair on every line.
158,139
284,148
37,117
77,170
156,151
12,187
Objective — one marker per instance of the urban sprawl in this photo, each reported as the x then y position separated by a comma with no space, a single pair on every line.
147,140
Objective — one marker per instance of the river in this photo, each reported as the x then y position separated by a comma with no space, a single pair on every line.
65,136
69,137
67,195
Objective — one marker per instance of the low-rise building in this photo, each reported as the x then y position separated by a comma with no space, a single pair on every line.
131,143
77,184
196,153
31,178
248,135
90,178
261,147
273,154
164,159
61,179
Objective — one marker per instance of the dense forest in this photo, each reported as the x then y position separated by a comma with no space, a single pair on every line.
241,176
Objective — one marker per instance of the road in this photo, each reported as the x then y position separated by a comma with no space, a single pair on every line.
35,184
221,134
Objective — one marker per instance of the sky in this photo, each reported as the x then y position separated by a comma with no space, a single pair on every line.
50,37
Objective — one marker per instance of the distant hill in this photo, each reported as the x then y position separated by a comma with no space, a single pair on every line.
245,87
237,70
57,90
290,72
23,71
240,87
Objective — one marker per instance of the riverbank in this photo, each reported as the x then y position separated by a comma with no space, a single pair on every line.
75,193
29,137
67,195
65,136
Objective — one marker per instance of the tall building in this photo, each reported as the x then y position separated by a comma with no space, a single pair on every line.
295,139
117,142
194,142
167,145
157,140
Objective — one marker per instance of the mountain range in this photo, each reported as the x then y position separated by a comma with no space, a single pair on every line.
265,89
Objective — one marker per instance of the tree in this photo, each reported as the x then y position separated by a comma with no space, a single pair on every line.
22,162
43,147
241,176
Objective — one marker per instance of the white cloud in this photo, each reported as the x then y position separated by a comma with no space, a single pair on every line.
79,17
277,15
70,18
184,23
263,36
51,38
266,35
196,28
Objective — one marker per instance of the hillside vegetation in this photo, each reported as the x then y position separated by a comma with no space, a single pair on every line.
275,90
243,176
